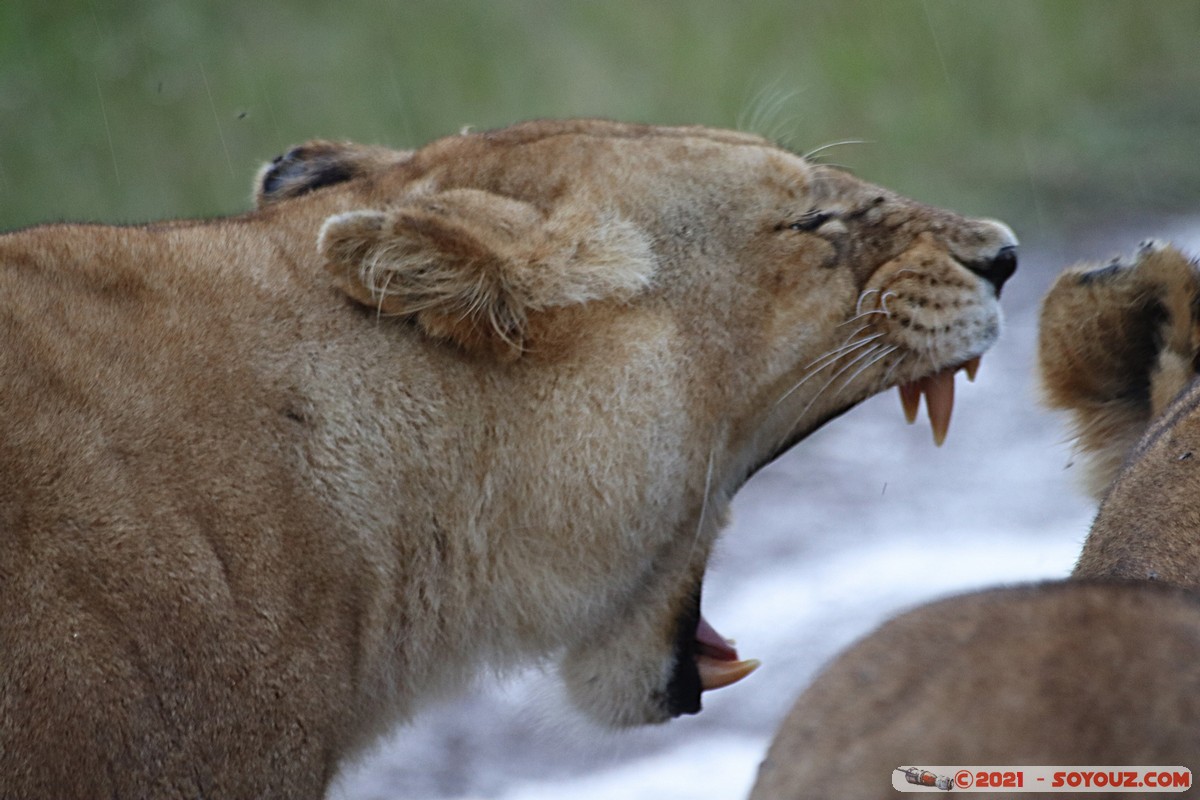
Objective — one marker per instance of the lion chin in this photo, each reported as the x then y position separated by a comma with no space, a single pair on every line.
274,481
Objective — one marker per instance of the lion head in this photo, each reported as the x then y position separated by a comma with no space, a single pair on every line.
425,412
744,296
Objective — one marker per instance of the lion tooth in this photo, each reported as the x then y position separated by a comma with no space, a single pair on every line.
910,400
939,402
972,367
717,673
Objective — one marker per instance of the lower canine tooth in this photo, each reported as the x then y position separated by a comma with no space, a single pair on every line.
715,673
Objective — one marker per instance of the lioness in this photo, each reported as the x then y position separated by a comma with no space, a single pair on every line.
1074,672
272,481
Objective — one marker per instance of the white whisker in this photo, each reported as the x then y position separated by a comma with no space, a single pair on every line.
863,315
887,351
813,153
703,503
856,332
887,376
845,345
883,302
866,353
862,297
828,360
766,113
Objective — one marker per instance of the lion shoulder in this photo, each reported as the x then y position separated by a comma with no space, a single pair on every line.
998,677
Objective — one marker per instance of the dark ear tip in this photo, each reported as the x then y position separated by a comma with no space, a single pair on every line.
301,170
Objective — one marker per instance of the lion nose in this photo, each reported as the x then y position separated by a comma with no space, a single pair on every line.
997,269
999,265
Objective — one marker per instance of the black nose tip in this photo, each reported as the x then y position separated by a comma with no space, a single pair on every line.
997,269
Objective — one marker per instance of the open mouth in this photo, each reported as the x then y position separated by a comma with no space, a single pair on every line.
715,657
705,660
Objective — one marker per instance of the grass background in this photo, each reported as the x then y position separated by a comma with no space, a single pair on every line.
1056,115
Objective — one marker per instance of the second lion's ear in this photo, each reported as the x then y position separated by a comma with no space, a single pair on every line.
472,267
1116,344
1174,282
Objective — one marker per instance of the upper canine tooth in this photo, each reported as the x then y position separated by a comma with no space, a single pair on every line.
910,400
939,402
971,367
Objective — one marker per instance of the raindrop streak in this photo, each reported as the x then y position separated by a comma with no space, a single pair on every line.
249,68
401,104
1033,184
936,44
217,118
107,131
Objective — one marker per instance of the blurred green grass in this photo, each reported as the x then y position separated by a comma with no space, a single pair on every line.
1058,116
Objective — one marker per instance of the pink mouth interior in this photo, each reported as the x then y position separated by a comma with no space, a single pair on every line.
712,644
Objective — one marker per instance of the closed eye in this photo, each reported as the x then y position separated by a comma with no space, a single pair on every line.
809,221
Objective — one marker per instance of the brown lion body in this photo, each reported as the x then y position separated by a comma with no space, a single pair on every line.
273,481
1065,673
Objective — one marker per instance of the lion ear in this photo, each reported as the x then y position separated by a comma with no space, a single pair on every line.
317,164
1116,344
1174,285
472,267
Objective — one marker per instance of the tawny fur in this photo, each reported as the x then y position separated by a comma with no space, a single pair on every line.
1067,673
1117,344
272,482
1148,525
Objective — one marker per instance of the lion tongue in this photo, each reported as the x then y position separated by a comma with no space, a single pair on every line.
939,397
717,660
